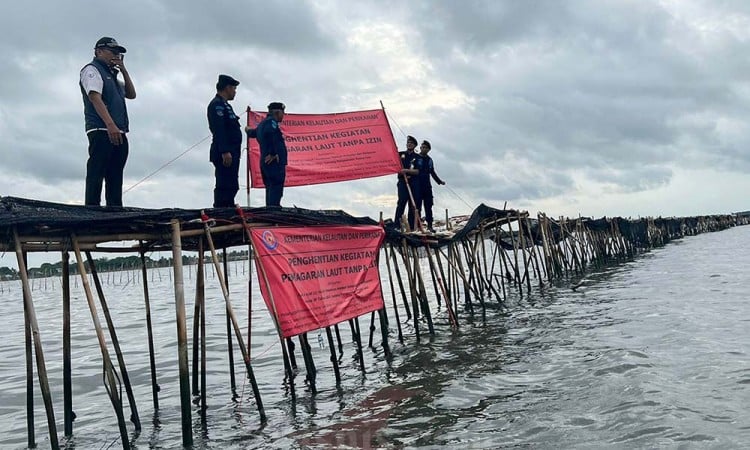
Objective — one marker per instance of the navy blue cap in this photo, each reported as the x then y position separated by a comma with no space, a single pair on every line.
110,44
224,81
276,105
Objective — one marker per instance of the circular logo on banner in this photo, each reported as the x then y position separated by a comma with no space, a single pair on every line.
269,240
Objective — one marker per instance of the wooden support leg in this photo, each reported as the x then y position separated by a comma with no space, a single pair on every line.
151,354
182,351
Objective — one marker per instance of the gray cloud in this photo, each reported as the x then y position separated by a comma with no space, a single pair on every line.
522,101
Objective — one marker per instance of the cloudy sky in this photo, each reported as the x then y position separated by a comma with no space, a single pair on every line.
575,107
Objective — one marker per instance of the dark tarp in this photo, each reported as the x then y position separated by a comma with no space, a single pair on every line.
54,220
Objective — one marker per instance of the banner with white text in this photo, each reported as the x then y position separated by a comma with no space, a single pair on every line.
314,277
326,148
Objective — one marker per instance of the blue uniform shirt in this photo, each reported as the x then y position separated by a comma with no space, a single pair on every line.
271,142
225,128
410,161
426,171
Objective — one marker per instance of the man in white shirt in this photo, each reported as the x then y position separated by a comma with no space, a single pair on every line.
106,119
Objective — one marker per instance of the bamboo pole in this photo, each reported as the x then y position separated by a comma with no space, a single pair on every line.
384,330
481,265
235,325
522,250
393,296
422,292
484,252
111,384
201,274
453,275
200,293
412,288
532,266
338,339
400,283
470,270
290,347
475,268
288,359
115,344
372,329
545,246
354,324
472,278
29,343
334,360
501,253
310,370
459,270
451,315
515,258
249,298
434,282
230,350
182,351
68,414
149,328
446,281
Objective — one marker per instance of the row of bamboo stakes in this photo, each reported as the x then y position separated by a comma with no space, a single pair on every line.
120,278
500,258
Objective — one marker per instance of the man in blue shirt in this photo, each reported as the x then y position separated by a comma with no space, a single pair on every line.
226,143
410,164
426,171
273,153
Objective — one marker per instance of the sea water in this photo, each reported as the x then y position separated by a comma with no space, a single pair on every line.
649,353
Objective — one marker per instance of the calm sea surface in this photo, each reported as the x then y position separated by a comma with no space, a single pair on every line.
651,353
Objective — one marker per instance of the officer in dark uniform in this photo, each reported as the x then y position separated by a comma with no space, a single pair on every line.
272,153
227,142
426,171
410,163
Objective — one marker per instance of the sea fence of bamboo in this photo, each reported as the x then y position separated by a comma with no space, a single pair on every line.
493,256
122,276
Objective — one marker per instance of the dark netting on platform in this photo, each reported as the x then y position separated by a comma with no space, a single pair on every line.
481,214
38,218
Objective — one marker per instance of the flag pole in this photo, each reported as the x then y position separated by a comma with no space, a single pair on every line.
247,172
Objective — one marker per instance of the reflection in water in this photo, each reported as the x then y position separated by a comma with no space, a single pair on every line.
649,353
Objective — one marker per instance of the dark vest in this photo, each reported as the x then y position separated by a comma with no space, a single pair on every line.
113,96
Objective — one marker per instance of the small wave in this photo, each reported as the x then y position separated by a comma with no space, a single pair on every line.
619,369
640,433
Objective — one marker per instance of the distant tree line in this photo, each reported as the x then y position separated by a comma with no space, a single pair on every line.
111,265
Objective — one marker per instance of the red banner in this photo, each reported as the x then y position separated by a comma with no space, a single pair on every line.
318,276
325,148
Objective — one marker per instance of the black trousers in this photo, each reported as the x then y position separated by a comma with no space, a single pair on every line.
106,164
427,201
227,182
403,200
273,179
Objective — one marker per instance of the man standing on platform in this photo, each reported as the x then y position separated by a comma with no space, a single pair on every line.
106,118
227,142
272,153
425,186
410,163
